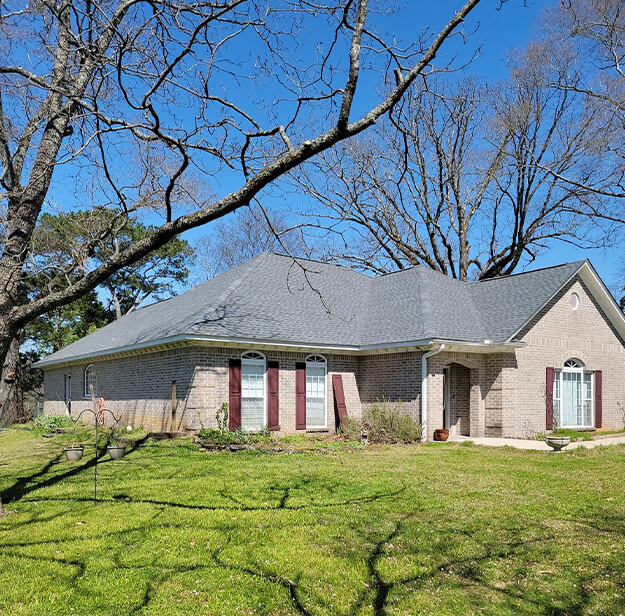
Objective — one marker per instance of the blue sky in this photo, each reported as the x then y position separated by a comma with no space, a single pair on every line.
493,27
497,30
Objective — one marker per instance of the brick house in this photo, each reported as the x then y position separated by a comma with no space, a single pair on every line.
292,345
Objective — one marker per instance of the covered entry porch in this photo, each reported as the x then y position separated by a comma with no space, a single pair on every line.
457,387
466,392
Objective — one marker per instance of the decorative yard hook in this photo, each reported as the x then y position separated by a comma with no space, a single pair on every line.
99,413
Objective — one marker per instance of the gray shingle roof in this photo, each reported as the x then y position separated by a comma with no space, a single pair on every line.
273,299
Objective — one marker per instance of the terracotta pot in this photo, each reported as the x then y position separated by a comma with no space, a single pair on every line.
74,453
442,434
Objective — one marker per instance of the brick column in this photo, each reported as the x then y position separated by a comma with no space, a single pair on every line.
435,395
478,407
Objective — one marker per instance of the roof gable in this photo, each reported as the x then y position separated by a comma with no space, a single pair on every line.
505,305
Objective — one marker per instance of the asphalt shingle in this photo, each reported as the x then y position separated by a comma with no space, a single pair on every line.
272,298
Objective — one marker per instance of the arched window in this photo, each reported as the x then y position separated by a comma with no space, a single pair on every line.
573,395
573,363
90,379
316,398
253,387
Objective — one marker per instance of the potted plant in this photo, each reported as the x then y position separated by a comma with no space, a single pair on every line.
74,453
441,434
117,450
117,446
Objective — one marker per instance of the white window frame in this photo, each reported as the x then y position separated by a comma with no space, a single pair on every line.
313,361
93,381
577,367
255,358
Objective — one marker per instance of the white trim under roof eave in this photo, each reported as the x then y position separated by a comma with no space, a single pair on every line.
450,345
604,298
184,339
599,291
172,340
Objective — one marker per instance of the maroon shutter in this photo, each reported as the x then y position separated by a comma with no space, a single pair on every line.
300,396
339,397
549,398
598,398
235,394
273,386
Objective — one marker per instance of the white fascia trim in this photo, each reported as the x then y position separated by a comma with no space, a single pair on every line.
485,347
604,299
599,291
247,343
44,363
184,339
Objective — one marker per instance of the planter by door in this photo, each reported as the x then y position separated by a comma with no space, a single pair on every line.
74,453
441,434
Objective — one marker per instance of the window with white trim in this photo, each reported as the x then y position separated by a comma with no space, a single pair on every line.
253,387
573,395
90,379
316,398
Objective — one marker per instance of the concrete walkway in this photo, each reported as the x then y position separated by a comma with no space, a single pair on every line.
519,443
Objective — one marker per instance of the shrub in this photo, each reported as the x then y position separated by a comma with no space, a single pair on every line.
219,437
387,424
351,429
223,436
48,422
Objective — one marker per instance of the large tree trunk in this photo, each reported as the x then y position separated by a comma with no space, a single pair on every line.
11,400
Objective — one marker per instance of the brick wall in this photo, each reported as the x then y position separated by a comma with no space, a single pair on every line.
395,377
139,388
468,379
504,391
556,334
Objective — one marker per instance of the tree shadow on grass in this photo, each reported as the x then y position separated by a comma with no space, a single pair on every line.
30,483
382,593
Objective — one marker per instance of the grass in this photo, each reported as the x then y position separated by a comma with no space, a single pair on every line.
586,436
445,529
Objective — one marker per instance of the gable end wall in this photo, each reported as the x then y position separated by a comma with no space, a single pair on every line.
556,334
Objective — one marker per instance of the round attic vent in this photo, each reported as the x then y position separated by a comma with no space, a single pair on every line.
574,301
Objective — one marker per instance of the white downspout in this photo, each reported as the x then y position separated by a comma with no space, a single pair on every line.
424,389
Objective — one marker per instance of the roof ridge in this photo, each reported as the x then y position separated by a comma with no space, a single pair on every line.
233,287
425,302
318,261
579,263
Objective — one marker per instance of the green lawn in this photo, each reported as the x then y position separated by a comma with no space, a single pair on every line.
437,529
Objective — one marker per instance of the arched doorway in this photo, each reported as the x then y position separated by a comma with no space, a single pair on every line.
457,399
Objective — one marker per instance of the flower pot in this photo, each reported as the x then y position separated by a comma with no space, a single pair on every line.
441,434
117,451
557,442
74,453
